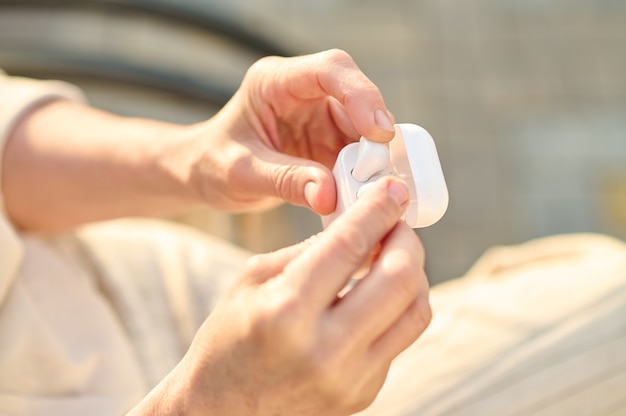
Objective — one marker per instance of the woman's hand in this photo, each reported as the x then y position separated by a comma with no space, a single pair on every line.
281,132
282,342
273,141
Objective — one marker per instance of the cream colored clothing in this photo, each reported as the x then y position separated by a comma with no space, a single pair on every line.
533,330
89,321
56,355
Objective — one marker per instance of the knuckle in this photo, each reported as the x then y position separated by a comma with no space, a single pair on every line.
337,56
365,91
284,185
351,245
404,282
423,315
235,164
351,97
254,264
264,64
403,275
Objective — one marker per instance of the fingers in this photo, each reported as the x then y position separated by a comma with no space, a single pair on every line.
295,180
347,243
395,281
334,73
342,120
261,267
352,106
341,78
404,332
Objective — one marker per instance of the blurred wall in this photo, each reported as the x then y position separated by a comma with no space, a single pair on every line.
526,100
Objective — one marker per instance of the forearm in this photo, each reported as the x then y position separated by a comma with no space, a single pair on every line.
67,164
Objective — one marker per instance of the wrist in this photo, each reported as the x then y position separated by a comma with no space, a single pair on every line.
180,393
175,158
186,391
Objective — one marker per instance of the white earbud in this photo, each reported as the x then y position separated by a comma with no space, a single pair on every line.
372,158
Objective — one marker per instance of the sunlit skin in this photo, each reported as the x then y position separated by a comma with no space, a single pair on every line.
280,341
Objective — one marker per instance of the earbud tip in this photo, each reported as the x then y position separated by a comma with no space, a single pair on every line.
372,158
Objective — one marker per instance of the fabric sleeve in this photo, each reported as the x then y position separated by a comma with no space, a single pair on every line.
17,96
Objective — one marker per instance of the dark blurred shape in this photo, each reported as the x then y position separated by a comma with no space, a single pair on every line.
102,44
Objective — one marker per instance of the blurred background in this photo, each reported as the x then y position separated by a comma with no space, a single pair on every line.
526,99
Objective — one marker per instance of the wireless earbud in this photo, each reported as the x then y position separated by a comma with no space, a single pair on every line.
372,158
411,155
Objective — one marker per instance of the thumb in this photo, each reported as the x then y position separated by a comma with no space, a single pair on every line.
295,180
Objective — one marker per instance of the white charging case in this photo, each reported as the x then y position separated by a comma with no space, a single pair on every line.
413,157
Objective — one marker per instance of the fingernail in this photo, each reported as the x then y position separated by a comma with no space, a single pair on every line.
310,192
382,120
398,192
